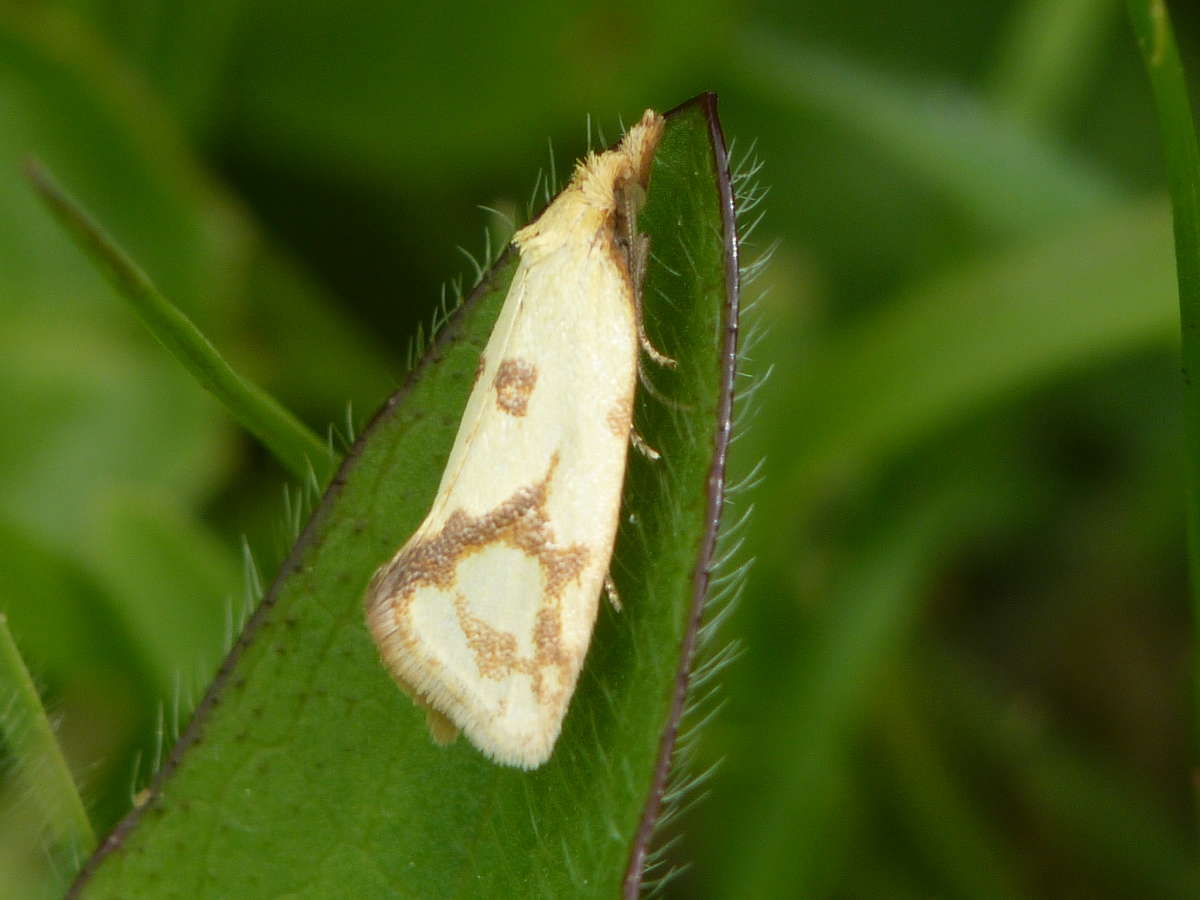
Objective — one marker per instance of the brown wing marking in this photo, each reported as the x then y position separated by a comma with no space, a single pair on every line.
520,522
515,380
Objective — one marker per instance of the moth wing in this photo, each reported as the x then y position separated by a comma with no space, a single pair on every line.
486,613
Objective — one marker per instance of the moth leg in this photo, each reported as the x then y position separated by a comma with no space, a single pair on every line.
640,445
610,591
649,388
441,729
639,254
651,351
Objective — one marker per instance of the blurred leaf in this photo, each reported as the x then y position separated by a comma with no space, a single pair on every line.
51,603
77,110
822,702
183,49
1085,801
83,412
361,88
1007,180
174,588
1047,57
972,336
319,362
952,836
797,801
307,770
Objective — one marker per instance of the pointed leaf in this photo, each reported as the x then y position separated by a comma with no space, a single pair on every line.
305,770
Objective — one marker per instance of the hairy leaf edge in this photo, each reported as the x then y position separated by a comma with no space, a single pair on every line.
656,799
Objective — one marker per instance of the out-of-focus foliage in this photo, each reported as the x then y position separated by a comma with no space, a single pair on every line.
966,638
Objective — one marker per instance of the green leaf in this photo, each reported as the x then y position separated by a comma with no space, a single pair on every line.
306,771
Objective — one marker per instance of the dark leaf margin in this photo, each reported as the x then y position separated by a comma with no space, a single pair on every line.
715,499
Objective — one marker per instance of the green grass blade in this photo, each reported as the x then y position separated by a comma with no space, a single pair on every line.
306,771
1152,25
58,815
295,446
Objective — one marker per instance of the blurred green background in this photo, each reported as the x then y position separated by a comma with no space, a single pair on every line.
965,642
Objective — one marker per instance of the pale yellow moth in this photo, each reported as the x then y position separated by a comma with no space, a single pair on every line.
485,614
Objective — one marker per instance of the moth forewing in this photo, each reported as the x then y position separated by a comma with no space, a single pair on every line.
485,614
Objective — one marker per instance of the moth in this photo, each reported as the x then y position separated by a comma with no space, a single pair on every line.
484,616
